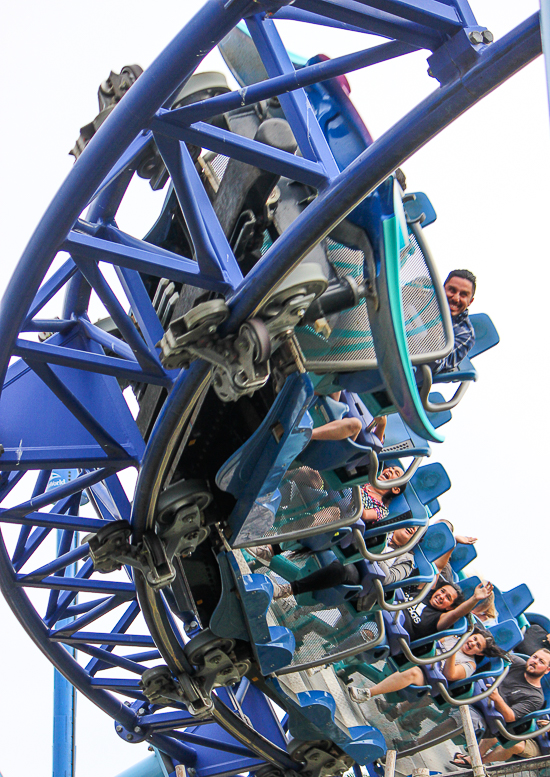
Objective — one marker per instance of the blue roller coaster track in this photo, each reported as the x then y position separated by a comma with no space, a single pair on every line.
287,262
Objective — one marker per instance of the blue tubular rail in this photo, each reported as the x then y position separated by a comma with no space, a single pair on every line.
502,59
99,180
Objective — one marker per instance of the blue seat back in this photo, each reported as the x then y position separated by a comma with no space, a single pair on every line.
507,634
468,585
518,599
540,620
424,572
417,204
462,556
429,482
501,606
486,334
437,541
443,416
324,455
433,507
486,337
329,454
400,440
545,684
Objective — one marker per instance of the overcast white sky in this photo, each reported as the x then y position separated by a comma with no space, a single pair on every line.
487,177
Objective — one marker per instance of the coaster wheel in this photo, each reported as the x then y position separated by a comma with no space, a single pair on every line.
65,402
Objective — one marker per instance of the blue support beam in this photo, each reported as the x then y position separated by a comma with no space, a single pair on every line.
64,696
499,62
545,35
298,79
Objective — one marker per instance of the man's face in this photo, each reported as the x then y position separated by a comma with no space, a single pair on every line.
443,598
460,294
538,664
401,536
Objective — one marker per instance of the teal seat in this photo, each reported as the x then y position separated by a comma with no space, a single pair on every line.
408,324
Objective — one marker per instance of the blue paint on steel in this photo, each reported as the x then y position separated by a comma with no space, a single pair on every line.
212,251
69,399
150,91
365,20
299,79
113,436
501,60
244,149
64,693
311,141
545,35
149,767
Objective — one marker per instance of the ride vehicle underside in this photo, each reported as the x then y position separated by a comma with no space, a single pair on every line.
287,262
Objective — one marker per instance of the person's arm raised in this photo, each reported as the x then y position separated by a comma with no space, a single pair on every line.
449,618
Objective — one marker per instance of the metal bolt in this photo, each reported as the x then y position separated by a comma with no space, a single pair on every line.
118,729
193,625
151,749
191,772
227,671
476,37
141,711
137,729
127,703
301,312
129,737
487,36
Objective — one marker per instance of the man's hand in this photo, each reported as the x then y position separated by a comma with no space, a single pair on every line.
495,696
462,540
483,591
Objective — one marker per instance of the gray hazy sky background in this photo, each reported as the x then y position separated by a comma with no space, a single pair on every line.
487,176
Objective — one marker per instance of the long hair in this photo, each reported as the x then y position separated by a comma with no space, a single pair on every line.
491,650
487,606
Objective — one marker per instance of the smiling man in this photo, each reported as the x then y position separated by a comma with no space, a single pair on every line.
460,288
519,694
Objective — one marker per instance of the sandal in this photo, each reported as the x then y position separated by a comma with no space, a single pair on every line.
460,760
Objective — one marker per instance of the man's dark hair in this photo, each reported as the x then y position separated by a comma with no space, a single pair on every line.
466,274
459,593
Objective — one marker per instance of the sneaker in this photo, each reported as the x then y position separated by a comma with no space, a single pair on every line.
404,744
281,590
391,711
262,552
359,695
